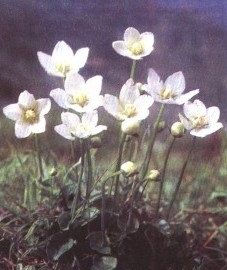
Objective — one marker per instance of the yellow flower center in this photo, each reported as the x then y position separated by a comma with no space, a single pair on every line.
130,110
137,48
63,68
80,99
199,122
166,94
30,116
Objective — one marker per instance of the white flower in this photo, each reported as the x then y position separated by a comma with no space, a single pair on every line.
134,45
63,60
28,114
72,126
171,91
201,121
130,103
79,95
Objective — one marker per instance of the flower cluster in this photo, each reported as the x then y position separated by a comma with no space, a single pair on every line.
81,98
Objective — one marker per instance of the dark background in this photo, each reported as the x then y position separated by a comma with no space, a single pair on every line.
189,36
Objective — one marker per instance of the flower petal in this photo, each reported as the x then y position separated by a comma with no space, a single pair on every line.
90,119
39,127
12,111
60,97
74,83
176,83
143,102
98,129
22,130
44,105
112,106
147,40
47,63
194,109
26,99
64,131
213,114
141,115
120,48
184,98
131,35
94,85
185,122
129,92
206,131
155,85
62,53
71,120
80,59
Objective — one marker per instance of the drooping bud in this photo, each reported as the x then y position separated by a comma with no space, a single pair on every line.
153,175
129,168
177,130
53,172
161,126
130,127
96,142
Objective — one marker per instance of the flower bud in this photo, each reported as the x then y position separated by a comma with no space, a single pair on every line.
161,126
177,130
53,172
153,175
96,142
130,127
129,168
142,88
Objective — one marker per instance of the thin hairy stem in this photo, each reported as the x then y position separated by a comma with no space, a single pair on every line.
180,179
162,180
118,165
151,142
133,69
39,158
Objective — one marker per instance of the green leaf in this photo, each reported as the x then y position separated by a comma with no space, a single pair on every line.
58,245
104,263
99,242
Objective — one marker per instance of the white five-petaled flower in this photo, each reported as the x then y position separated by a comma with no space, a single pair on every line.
201,121
63,60
79,95
28,114
170,91
134,45
130,103
72,126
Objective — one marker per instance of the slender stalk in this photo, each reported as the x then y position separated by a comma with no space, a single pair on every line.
162,180
118,165
103,211
133,69
39,158
90,171
78,188
131,204
180,179
73,151
151,142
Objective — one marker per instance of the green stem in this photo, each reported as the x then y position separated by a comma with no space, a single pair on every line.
90,172
151,142
78,188
118,165
39,158
180,178
162,180
133,69
73,151
104,200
